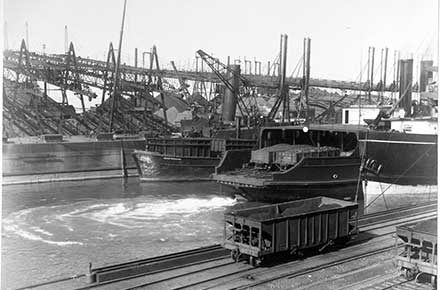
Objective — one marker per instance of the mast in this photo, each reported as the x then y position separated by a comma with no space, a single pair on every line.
396,88
385,71
372,74
381,76
66,39
306,74
282,73
368,72
27,36
116,75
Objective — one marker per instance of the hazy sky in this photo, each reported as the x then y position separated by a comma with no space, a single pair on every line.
341,30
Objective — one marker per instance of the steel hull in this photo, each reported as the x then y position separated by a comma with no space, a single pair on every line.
406,159
334,177
22,160
283,193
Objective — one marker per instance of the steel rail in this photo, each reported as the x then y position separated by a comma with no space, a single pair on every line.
395,282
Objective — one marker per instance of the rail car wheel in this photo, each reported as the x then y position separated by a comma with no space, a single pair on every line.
409,274
234,254
254,262
434,281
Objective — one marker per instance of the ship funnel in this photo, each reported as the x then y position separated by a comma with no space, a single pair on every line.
426,75
283,60
405,90
230,97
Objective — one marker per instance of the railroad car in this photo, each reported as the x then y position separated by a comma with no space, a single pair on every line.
289,227
419,253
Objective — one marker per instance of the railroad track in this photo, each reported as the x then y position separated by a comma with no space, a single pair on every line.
239,276
379,217
121,272
111,274
214,257
395,283
371,221
298,268
379,273
400,283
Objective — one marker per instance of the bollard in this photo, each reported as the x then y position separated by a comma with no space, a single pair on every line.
90,276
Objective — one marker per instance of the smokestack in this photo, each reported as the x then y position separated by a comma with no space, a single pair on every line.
135,57
425,74
405,90
283,60
230,97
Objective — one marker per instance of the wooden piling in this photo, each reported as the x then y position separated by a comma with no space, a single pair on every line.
123,162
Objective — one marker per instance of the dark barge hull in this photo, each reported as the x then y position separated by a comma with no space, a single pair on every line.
334,177
183,159
155,166
405,159
38,162
290,192
283,193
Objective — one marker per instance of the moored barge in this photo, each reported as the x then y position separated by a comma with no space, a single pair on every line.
56,157
184,158
320,160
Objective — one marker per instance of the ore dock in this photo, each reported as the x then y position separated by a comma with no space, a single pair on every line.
166,159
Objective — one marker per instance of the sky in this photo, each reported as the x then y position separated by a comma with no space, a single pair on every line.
340,30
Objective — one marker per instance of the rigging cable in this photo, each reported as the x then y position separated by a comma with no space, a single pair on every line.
362,158
298,66
403,173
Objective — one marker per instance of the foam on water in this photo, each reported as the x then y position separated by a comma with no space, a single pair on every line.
38,224
29,235
134,213
29,224
181,206
40,230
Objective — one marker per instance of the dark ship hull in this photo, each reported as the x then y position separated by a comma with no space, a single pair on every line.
400,158
38,162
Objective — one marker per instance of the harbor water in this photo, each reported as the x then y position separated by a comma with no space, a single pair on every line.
54,230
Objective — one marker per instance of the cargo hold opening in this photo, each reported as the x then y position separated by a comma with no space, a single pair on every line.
345,141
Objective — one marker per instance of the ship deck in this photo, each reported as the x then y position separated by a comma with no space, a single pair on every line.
325,127
65,139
